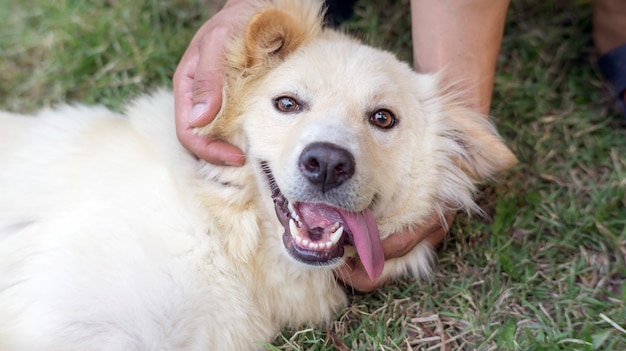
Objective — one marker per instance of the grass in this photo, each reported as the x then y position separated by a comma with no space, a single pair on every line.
544,271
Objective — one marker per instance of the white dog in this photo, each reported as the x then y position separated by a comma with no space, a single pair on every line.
113,237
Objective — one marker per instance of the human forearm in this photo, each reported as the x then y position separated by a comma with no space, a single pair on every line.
463,38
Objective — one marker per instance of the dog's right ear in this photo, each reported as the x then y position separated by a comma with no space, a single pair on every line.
272,33
275,32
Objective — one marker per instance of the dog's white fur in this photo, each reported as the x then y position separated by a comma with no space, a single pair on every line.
113,237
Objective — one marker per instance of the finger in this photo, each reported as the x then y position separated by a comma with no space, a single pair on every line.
437,235
208,80
183,83
399,244
433,231
353,274
210,149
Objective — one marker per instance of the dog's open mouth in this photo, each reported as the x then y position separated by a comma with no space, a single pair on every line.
316,233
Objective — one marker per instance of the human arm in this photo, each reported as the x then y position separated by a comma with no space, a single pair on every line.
461,37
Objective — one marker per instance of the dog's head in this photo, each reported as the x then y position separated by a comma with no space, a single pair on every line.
350,144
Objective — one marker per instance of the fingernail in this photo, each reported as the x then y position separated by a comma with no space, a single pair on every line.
196,112
235,160
231,163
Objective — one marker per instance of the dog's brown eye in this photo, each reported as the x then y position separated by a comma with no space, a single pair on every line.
383,119
286,104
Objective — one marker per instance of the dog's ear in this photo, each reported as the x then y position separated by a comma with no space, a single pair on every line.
484,153
275,32
272,33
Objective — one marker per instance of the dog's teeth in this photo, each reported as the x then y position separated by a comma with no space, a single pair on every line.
334,237
292,211
293,228
291,208
298,237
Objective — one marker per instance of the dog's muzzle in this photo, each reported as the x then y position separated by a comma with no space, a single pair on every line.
316,233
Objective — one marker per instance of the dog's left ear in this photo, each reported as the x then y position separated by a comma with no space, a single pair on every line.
275,32
485,154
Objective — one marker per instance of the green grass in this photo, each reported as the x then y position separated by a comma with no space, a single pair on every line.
544,271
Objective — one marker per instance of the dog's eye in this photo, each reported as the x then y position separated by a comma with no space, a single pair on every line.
286,104
383,119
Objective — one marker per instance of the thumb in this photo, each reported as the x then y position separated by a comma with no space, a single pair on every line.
353,274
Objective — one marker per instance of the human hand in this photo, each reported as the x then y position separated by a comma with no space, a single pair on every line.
394,246
198,83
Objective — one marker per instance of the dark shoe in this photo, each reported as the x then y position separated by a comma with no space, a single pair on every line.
613,67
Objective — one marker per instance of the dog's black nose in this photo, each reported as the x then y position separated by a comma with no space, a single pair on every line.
326,165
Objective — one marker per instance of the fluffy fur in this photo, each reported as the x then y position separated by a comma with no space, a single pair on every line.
113,237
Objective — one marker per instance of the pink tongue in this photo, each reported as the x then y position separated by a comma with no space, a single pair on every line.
366,240
362,225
